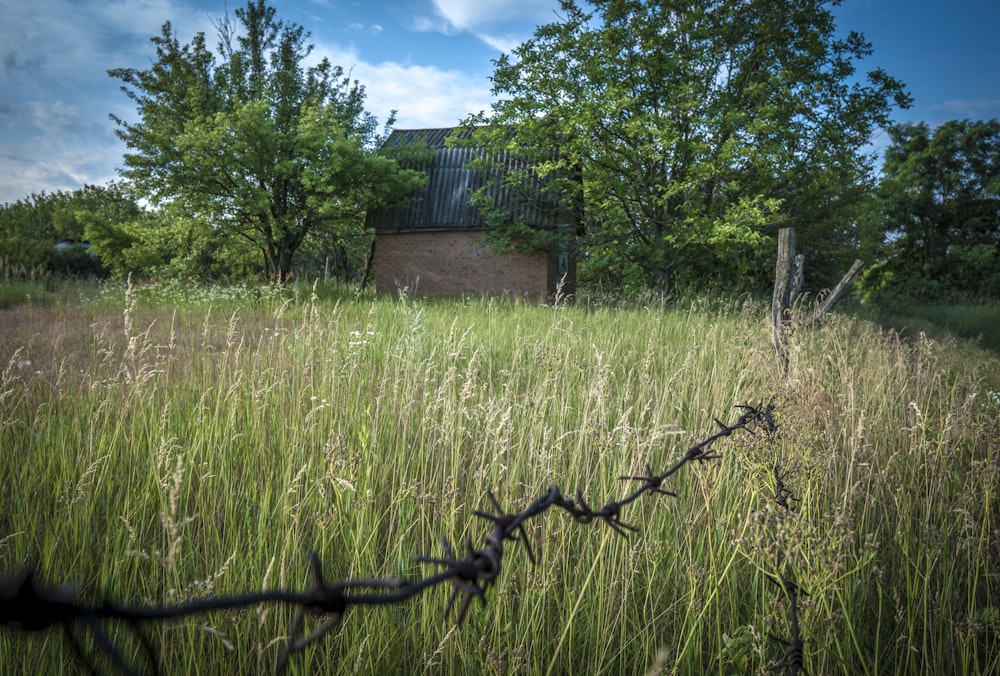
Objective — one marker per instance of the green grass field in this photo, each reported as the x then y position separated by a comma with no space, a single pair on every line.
167,444
977,323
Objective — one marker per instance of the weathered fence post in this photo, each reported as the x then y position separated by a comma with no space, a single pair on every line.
798,278
837,292
783,274
788,279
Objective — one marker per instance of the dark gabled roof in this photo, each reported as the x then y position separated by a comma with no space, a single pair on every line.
432,138
444,203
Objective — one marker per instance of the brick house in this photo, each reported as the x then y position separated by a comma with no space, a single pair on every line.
434,245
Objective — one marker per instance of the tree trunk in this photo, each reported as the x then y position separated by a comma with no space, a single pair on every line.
368,265
284,271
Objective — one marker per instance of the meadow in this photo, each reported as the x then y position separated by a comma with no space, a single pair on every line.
979,322
162,444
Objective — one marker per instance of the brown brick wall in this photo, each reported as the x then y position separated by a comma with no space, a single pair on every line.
452,264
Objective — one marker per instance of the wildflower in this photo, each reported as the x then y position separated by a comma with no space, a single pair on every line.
359,340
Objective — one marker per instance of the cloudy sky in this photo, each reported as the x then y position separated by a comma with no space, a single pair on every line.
428,59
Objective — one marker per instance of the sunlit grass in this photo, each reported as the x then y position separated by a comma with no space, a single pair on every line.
160,447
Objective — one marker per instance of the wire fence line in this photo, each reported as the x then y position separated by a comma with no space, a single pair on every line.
28,604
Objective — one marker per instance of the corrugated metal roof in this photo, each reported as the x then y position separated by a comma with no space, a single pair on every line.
434,138
444,203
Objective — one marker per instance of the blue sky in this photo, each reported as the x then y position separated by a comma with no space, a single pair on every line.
428,59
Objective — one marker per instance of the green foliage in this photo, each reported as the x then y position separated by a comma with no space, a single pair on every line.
257,144
169,243
27,231
693,132
936,224
30,228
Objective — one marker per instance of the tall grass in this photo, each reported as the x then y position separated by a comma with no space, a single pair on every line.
164,451
979,323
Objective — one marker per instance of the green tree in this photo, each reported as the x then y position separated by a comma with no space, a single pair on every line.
27,232
937,221
696,128
31,228
255,142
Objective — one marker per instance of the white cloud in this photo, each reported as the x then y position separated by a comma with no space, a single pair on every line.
50,164
472,14
421,23
501,43
973,108
80,40
56,93
502,24
365,29
425,96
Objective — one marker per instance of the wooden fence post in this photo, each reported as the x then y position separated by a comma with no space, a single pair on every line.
783,273
788,278
837,292
798,278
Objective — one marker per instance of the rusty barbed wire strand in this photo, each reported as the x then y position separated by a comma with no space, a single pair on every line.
28,605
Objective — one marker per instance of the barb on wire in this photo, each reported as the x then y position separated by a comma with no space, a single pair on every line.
650,481
782,494
27,605
509,524
762,415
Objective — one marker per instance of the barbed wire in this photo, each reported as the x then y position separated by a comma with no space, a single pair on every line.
27,604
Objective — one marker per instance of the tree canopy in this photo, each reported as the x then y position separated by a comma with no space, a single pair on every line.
937,222
31,228
254,141
696,128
